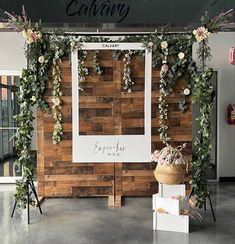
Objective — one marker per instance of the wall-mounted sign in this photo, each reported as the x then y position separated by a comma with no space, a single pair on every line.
176,12
112,148
117,9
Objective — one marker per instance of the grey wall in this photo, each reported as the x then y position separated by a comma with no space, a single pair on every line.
12,51
220,44
12,58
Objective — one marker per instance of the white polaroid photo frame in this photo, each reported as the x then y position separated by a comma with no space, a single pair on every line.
112,148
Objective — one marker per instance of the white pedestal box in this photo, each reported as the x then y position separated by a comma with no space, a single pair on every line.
171,190
172,206
170,222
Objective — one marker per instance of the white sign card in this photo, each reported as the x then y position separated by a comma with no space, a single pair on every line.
112,148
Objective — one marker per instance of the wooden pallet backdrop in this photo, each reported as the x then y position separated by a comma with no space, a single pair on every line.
105,109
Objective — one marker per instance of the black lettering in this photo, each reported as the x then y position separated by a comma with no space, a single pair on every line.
83,10
96,147
70,5
93,6
105,5
95,9
113,9
123,11
92,9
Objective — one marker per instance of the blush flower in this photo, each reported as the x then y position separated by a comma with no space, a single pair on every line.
31,36
169,156
164,45
164,68
201,34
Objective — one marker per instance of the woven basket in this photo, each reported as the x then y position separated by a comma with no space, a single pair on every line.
170,175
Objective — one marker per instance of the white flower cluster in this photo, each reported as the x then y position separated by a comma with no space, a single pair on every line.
127,72
57,102
58,130
148,45
82,70
76,43
163,106
201,34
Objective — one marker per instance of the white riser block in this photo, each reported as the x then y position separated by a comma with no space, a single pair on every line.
172,206
171,190
170,222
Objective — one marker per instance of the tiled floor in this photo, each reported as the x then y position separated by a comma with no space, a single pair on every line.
88,220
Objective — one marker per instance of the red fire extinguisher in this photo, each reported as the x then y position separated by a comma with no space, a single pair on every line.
231,114
232,55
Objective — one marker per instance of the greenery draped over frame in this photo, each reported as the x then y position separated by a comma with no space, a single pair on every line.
172,53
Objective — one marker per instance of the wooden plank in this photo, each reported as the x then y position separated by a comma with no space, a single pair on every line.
106,109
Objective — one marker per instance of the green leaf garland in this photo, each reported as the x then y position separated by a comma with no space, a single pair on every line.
128,83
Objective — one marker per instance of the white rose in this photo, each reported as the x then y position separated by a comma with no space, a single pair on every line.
33,98
41,59
181,55
164,68
164,45
150,44
186,91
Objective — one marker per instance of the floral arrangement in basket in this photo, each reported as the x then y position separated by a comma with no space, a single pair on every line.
171,165
169,155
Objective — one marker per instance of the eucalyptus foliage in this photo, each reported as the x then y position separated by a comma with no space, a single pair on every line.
96,63
128,82
202,95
